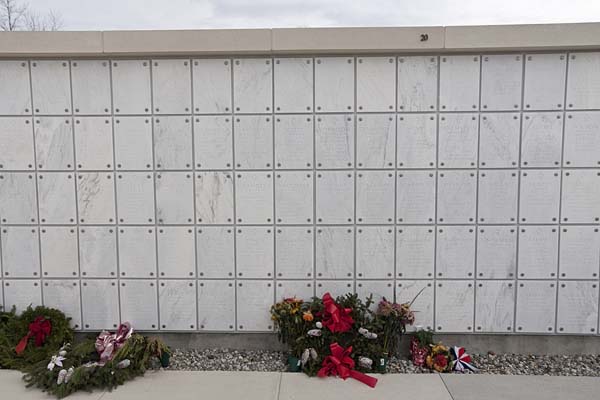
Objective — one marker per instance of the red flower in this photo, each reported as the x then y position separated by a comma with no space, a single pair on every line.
334,317
441,361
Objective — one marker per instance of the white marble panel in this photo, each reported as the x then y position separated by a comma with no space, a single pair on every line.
539,196
96,198
299,289
538,252
15,94
214,197
216,305
375,141
415,198
253,142
135,197
215,252
254,197
375,252
583,83
456,196
213,142
294,252
334,141
498,193
173,142
375,197
59,252
375,83
51,87
536,301
454,306
177,305
577,307
581,196
501,82
494,306
133,143
93,143
54,143
176,249
457,146
334,84
417,83
497,252
97,251
255,252
582,142
253,85
175,197
91,87
100,304
20,252
335,197
253,301
64,295
420,293
415,252
499,140
293,79
139,303
171,86
16,142
22,294
334,288
212,85
541,139
137,252
417,138
131,86
56,196
294,141
579,252
335,252
377,290
545,81
17,198
459,83
294,197
455,252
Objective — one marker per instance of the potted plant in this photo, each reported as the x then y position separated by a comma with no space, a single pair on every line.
290,317
420,344
392,319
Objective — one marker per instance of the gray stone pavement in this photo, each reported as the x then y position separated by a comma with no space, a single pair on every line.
182,385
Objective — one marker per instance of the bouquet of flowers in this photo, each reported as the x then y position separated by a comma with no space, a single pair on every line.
392,319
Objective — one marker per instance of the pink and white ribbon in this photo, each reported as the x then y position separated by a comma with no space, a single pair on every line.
108,343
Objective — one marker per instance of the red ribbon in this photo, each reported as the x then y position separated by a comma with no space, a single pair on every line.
334,317
339,363
40,328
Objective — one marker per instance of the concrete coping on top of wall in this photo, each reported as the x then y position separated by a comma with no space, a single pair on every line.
302,40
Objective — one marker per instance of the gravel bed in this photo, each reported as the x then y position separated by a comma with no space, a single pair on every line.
275,361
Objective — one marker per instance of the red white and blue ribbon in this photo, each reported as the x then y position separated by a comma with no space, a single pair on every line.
462,361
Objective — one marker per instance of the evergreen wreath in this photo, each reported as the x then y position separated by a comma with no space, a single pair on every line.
18,334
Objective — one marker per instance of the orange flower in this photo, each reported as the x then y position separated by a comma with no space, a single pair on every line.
307,316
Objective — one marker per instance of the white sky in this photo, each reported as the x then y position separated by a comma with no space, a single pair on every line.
199,14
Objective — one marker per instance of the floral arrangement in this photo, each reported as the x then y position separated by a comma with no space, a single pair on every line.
32,336
342,336
105,362
436,356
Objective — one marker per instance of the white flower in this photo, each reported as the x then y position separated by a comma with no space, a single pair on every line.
69,374
123,363
314,332
62,353
365,362
54,361
319,324
61,376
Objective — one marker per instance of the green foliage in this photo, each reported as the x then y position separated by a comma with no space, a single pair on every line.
424,337
87,374
14,327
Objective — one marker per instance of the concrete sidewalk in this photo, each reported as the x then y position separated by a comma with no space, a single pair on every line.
175,385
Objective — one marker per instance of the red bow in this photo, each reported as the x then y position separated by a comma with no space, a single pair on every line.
40,328
336,318
340,364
